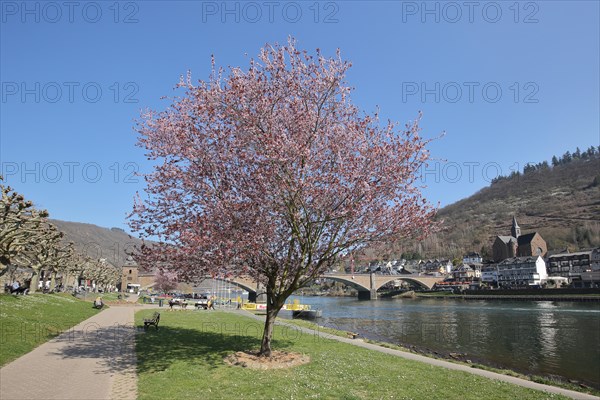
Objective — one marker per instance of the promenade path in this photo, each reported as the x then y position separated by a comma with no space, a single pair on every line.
94,360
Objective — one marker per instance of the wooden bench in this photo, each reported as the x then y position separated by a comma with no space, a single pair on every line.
152,321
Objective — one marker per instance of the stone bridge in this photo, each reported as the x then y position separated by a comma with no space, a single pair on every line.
256,291
366,284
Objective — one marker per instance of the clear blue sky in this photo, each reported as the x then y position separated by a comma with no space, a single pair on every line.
70,148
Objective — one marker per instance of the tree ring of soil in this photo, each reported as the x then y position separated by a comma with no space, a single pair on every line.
278,360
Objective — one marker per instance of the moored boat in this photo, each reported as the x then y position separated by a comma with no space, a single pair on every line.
307,314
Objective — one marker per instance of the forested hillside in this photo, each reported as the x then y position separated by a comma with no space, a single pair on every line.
560,200
97,242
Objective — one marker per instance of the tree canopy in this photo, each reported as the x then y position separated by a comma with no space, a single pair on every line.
272,172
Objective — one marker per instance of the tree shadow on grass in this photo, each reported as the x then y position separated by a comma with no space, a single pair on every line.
205,345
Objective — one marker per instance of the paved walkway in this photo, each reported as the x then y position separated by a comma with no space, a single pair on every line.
94,360
437,362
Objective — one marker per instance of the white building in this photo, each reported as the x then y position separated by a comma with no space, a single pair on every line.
472,258
489,274
522,271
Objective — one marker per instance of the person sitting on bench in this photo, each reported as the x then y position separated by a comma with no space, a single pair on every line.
98,303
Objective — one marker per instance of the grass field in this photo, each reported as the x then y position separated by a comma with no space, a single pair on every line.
28,321
113,296
184,359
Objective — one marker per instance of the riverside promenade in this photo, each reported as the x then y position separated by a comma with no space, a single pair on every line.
94,360
434,361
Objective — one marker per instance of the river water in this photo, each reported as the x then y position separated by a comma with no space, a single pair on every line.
541,338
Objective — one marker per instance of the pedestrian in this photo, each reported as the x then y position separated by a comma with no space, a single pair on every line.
15,287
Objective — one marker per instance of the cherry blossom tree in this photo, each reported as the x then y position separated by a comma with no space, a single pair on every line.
271,172
165,281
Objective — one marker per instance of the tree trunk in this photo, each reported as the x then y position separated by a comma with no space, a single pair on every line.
274,304
66,279
35,280
52,281
265,346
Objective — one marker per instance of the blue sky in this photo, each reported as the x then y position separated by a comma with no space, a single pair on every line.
509,83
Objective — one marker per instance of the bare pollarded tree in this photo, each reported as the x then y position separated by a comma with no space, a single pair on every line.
21,226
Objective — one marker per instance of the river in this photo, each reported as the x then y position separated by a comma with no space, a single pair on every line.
540,338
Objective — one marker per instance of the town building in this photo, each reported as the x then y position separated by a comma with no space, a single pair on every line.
517,245
489,274
466,273
435,266
595,261
522,272
472,257
130,281
580,267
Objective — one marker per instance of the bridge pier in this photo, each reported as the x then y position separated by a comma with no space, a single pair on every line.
254,297
367,294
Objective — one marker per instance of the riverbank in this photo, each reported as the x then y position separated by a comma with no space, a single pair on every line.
480,363
459,358
185,358
588,298
541,339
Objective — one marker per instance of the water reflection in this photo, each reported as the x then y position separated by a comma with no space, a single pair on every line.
535,337
548,331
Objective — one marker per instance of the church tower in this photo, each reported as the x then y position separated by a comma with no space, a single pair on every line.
515,231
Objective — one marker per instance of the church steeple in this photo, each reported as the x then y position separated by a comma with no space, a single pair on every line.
515,231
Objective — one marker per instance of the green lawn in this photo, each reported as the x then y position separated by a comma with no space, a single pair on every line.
184,359
112,296
28,321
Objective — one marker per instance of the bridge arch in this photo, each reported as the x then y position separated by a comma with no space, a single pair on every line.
241,285
348,282
255,292
382,282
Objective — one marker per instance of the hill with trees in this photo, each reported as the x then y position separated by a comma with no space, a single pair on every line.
560,200
112,244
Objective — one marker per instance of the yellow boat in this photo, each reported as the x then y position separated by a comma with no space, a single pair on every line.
295,306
